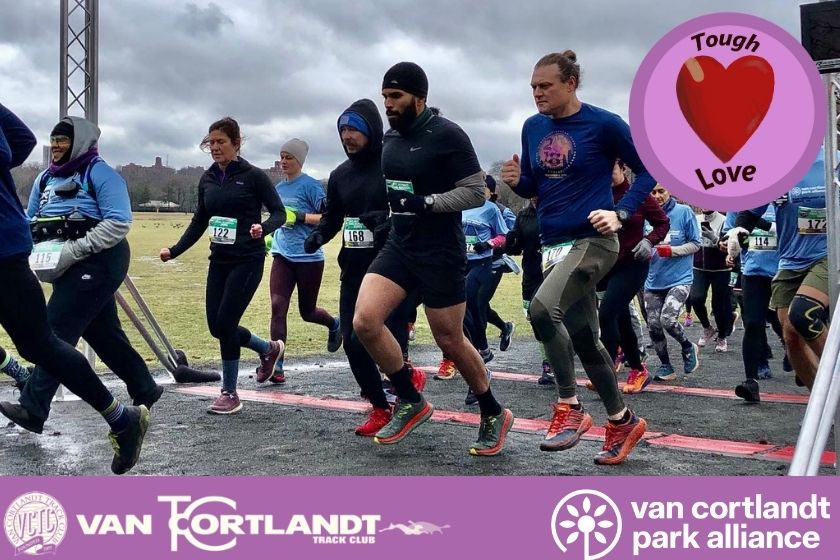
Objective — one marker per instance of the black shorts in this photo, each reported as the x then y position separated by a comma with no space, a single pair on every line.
440,281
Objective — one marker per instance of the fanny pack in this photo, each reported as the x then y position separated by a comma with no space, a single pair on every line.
67,228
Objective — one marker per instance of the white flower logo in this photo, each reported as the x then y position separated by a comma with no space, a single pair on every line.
594,517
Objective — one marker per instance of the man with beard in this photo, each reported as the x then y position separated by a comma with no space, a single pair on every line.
356,203
432,174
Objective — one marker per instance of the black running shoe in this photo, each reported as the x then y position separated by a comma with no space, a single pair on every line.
20,416
127,443
748,390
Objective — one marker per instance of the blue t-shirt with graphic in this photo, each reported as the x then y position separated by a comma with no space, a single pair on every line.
482,224
301,193
568,163
102,195
665,273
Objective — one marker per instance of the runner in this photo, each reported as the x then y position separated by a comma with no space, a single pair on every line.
23,311
432,174
292,266
759,263
81,205
231,194
568,153
357,204
501,266
524,239
712,270
625,278
800,287
669,283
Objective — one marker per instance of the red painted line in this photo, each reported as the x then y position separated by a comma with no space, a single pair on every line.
783,398
730,448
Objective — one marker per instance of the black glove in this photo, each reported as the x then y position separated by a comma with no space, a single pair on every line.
373,219
481,247
404,201
313,242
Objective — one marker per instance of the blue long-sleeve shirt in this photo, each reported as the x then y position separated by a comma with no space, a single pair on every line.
665,273
568,163
16,143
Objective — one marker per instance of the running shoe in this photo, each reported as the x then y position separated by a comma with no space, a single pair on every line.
376,420
447,370
149,398
547,377
406,417
506,336
708,334
128,442
764,371
492,433
335,338
721,346
411,333
748,390
691,358
269,360
279,376
689,321
471,397
665,373
566,427
620,439
20,416
226,403
619,361
486,355
637,380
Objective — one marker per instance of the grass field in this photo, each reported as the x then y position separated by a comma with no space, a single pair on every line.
175,293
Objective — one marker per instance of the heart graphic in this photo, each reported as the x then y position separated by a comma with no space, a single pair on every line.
725,106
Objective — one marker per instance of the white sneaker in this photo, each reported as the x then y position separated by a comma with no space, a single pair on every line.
721,345
708,334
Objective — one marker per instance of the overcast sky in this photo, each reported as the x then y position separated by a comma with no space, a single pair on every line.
289,67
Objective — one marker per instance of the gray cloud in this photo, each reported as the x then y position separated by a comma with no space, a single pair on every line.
288,68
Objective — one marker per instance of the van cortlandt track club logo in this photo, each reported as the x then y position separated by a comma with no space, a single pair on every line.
416,528
582,517
35,524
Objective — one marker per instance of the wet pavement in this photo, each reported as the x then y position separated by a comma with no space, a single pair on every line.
305,427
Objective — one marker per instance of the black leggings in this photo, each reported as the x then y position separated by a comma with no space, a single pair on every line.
23,314
361,364
230,288
492,316
83,305
756,291
721,299
622,284
479,279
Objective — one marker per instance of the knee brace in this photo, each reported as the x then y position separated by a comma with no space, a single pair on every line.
807,316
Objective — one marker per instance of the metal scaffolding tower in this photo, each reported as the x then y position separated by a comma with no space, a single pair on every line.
79,81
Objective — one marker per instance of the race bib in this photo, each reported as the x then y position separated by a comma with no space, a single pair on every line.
471,240
811,221
407,186
222,230
761,240
45,255
356,235
554,254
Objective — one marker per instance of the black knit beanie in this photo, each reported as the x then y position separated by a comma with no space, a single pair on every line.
408,77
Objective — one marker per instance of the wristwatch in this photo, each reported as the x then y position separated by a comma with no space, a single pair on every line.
429,201
623,215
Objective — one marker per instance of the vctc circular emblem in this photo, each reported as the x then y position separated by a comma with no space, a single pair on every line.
35,524
728,111
588,521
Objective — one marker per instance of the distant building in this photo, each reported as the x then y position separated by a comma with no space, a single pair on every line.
158,206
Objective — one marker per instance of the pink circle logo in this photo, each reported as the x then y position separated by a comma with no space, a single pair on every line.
728,111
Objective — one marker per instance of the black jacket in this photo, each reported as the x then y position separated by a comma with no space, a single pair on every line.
356,188
241,192
524,239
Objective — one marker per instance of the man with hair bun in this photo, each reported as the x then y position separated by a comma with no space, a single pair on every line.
568,153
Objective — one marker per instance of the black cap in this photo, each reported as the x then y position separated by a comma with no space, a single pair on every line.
408,77
490,182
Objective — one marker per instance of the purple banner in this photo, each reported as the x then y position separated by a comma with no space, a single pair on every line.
368,518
